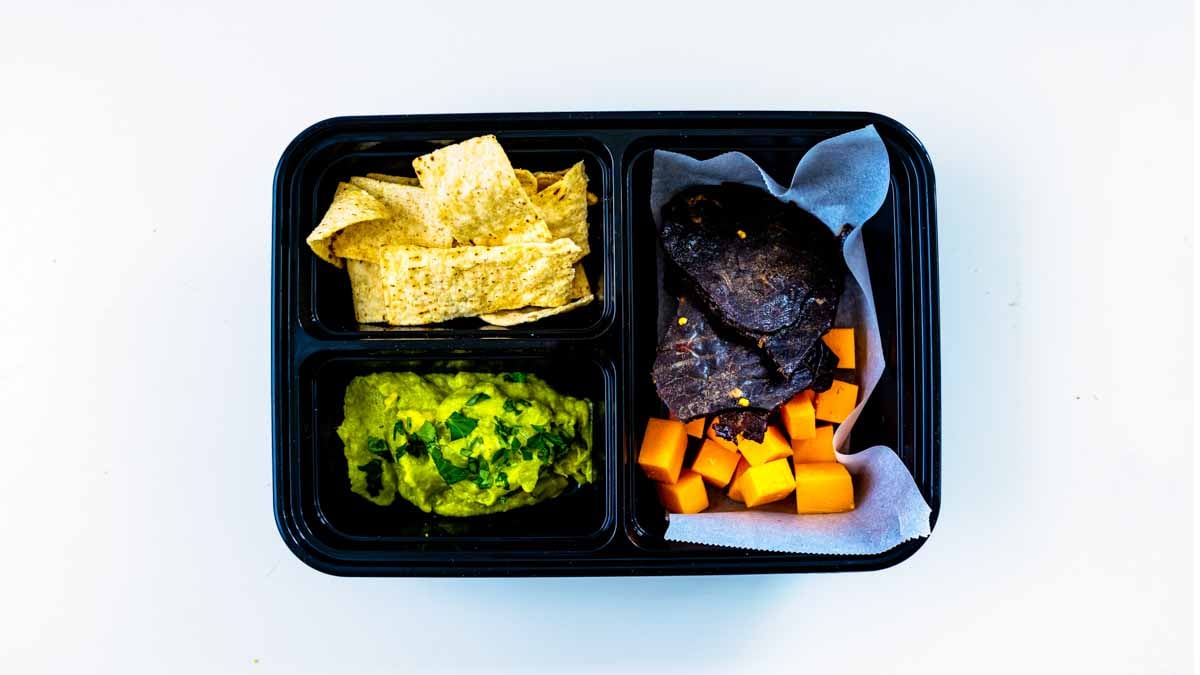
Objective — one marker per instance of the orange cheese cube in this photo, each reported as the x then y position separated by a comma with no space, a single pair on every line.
774,446
715,464
819,448
735,486
686,495
836,404
768,482
720,441
695,428
824,487
663,445
799,417
841,342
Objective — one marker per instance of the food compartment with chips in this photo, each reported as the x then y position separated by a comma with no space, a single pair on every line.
327,307
601,352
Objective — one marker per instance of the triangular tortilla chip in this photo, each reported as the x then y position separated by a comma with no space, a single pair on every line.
476,194
351,205
527,180
564,206
412,221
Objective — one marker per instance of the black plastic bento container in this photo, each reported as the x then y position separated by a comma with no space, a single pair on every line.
602,352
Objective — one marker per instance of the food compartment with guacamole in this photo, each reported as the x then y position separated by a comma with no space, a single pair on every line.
485,362
438,451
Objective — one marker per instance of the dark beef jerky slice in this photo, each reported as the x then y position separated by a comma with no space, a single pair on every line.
747,422
778,285
701,370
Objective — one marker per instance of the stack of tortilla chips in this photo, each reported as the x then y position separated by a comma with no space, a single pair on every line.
469,236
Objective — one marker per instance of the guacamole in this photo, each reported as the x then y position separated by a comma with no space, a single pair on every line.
464,444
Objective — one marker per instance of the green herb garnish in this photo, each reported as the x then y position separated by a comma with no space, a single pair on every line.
427,432
449,472
505,432
459,425
514,377
515,405
379,447
374,471
477,398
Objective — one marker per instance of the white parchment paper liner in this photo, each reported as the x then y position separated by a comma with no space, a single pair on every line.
842,181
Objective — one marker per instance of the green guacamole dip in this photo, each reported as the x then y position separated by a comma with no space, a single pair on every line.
464,444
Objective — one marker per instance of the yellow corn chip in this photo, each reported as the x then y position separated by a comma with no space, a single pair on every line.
513,317
527,181
367,287
547,178
581,294
579,285
476,194
351,205
412,221
426,285
564,206
399,180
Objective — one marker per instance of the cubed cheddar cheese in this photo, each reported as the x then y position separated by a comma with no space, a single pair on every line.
735,486
715,464
841,342
836,404
799,417
695,428
819,448
663,445
767,483
728,445
686,495
773,446
824,487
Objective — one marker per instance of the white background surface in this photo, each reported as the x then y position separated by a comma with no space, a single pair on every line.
137,145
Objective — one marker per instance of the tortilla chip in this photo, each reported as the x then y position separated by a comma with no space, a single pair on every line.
547,178
367,287
513,317
476,194
527,181
564,206
425,285
399,180
351,205
579,285
412,221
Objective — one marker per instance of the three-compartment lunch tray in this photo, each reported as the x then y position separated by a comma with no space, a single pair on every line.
603,351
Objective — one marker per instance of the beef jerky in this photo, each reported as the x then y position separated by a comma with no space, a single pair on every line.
747,422
701,369
765,268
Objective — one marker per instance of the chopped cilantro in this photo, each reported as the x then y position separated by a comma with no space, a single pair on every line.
477,398
515,405
427,432
374,471
379,447
398,428
460,425
449,472
514,377
505,432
